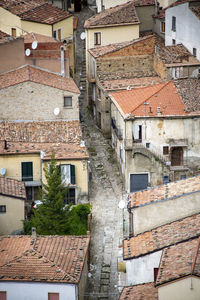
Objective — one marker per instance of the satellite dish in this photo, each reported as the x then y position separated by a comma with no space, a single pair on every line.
122,204
28,52
82,36
82,144
3,171
34,45
56,111
128,88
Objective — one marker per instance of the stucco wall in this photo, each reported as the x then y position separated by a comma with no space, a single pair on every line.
38,102
145,14
188,34
11,220
37,291
9,21
66,27
141,270
12,163
184,289
83,280
159,213
40,28
157,27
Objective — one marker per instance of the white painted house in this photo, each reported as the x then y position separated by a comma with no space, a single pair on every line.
182,23
43,267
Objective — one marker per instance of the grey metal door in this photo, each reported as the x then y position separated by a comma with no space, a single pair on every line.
138,182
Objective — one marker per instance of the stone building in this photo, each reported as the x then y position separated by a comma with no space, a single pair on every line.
148,147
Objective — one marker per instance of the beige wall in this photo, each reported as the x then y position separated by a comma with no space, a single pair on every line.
145,14
11,220
12,163
160,213
66,27
44,29
32,101
81,175
8,21
83,280
183,289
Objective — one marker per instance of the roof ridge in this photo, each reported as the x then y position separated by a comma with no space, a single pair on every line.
151,95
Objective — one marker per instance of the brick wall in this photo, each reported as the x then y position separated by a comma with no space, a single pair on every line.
32,101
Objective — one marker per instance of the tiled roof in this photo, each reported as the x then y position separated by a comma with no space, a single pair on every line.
145,291
178,2
101,51
119,15
123,83
13,188
18,7
163,95
37,75
173,54
196,10
46,258
178,188
161,14
189,89
40,38
161,237
61,137
3,36
46,14
179,261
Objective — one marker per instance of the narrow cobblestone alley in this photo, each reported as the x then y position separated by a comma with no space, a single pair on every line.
106,190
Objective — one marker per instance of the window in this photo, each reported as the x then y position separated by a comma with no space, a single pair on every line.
2,295
165,179
53,296
165,150
2,210
97,38
194,52
67,101
173,42
148,145
59,34
54,34
173,23
68,174
183,176
13,32
27,171
71,196
162,26
155,271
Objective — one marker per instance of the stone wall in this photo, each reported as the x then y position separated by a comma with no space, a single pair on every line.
32,101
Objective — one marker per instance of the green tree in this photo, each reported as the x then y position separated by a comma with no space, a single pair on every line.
50,217
77,221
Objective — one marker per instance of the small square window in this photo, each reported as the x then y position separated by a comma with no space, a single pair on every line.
165,150
147,145
14,32
2,208
173,42
67,101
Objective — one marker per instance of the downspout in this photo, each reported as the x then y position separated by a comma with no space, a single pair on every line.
62,60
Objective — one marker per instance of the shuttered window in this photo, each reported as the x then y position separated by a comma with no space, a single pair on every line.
27,171
68,174
53,296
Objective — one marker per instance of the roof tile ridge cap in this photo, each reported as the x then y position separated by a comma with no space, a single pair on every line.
164,85
195,255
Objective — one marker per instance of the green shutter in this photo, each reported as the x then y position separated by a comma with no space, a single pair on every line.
27,171
73,180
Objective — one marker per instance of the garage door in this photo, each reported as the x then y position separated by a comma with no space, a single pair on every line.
138,182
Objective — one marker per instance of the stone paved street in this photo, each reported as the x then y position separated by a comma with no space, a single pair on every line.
106,190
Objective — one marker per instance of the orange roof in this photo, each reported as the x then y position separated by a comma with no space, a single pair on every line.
37,75
45,258
164,95
12,187
145,291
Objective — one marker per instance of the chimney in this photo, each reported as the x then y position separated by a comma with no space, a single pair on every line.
62,56
34,233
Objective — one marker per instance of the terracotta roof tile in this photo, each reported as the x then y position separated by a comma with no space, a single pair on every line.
166,191
145,291
61,137
179,261
161,237
163,95
40,38
46,14
46,258
119,15
101,51
13,188
35,74
196,10
18,7
123,83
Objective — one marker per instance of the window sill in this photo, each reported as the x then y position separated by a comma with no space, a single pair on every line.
67,107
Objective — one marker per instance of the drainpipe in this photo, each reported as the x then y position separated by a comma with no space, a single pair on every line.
62,58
